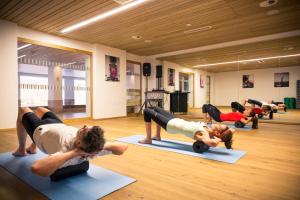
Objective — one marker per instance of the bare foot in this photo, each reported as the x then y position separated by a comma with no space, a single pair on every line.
19,153
145,141
31,150
156,138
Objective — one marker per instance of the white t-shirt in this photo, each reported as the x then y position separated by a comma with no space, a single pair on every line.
59,138
268,104
189,129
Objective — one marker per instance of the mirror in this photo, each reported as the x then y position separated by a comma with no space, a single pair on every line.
55,78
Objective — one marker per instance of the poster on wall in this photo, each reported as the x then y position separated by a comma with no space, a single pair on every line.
281,79
112,68
201,81
248,81
171,77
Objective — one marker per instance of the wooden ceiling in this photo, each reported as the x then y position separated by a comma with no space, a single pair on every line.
161,21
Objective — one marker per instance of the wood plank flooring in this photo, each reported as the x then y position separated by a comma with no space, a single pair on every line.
270,169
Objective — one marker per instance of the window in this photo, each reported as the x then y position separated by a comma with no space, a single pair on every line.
33,90
80,91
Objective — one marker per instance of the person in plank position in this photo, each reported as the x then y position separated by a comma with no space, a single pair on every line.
199,131
236,106
65,145
211,112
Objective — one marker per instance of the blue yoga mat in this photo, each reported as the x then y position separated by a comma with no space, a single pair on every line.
280,112
245,128
96,183
216,153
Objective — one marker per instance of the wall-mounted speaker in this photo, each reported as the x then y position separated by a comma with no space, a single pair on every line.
158,71
147,69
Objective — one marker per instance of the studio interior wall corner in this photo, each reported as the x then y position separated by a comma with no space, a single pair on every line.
109,98
8,74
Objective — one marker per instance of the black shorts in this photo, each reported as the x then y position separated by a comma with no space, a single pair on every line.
30,121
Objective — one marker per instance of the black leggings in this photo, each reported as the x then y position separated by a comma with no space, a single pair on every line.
255,102
237,106
213,111
158,115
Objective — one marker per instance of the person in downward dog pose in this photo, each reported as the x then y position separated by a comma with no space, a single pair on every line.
198,131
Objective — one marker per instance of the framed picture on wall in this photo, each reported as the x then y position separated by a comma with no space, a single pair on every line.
171,77
201,81
112,68
281,79
248,81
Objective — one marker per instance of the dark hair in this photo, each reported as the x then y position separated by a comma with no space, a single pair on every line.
252,114
227,137
93,140
254,122
268,108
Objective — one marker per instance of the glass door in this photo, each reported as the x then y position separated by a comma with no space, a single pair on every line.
133,87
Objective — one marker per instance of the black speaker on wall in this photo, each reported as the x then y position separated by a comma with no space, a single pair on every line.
158,71
147,69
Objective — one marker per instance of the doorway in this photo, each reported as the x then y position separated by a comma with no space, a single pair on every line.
133,87
186,84
208,89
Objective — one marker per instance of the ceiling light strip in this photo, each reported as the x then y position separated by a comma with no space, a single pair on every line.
24,46
102,16
250,60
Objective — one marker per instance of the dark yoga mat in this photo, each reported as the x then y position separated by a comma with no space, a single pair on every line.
96,183
216,153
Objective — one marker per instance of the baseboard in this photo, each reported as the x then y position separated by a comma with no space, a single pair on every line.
7,129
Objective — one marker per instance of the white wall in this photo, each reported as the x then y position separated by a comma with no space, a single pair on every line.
8,74
109,98
228,85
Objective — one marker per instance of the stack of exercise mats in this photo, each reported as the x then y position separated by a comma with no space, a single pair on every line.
290,102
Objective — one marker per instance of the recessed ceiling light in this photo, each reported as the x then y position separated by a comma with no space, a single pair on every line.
195,30
272,12
136,37
288,48
260,61
122,2
188,24
102,16
268,3
147,41
21,56
24,46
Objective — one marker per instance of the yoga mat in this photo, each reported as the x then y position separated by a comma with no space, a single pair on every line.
216,153
96,183
280,112
245,128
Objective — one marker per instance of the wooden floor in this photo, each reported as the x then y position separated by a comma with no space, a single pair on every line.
270,169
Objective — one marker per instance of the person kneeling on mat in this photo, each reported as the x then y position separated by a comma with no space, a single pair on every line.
196,130
66,145
240,119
